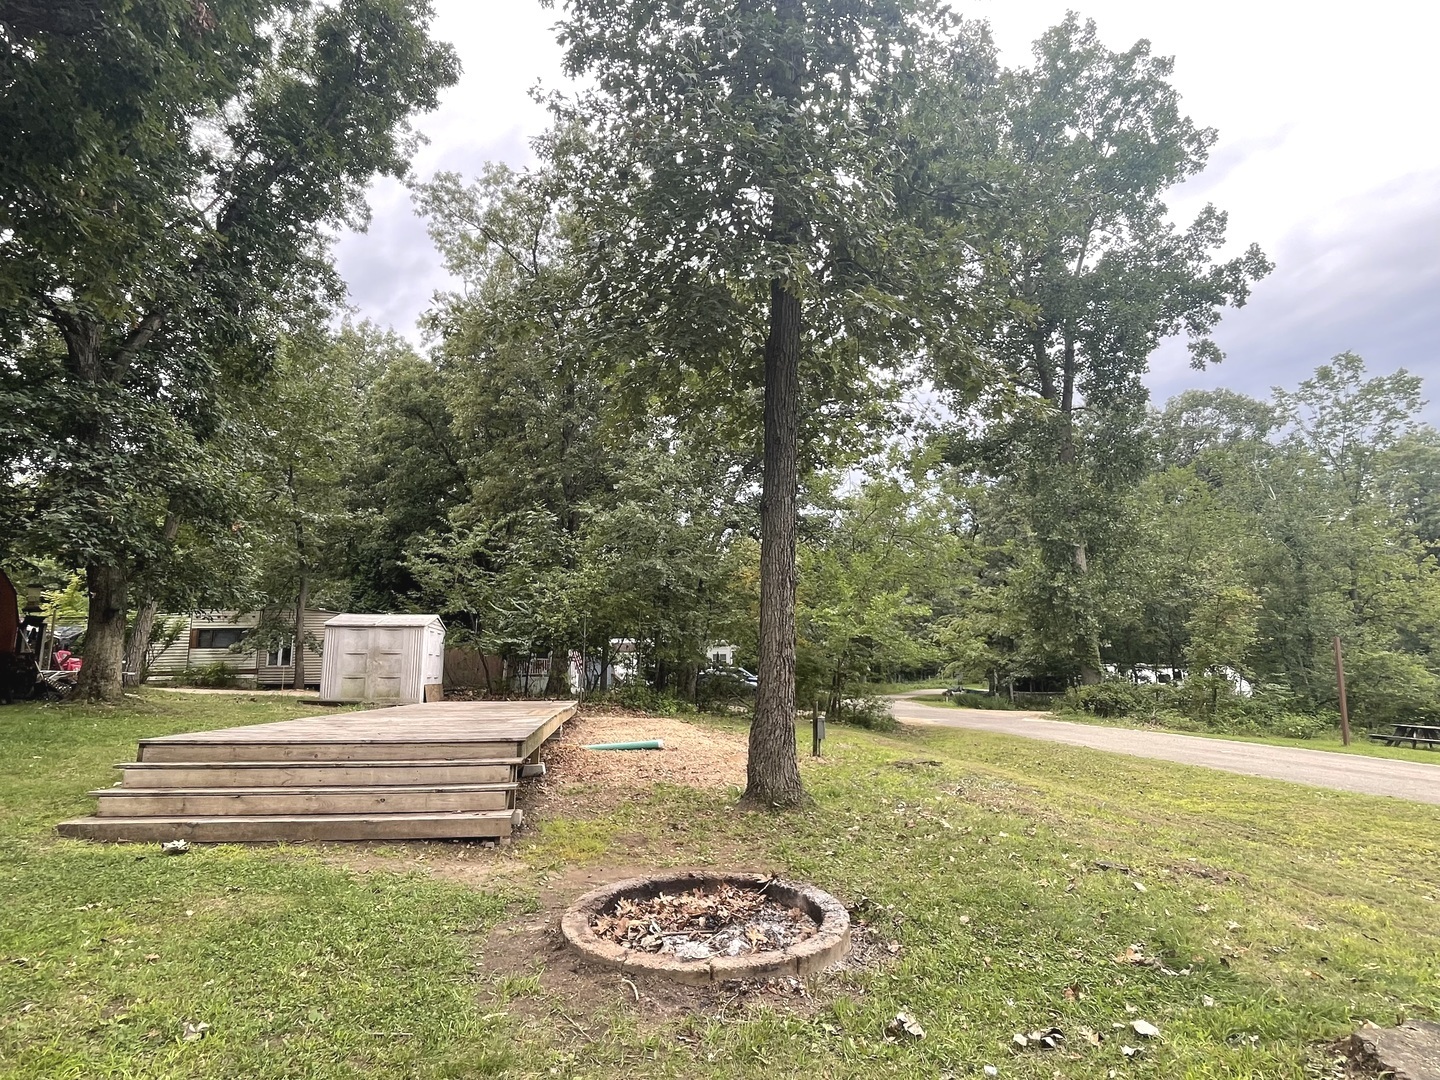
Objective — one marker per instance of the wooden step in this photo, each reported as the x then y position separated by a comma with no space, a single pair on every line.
252,828
214,802
308,774
217,748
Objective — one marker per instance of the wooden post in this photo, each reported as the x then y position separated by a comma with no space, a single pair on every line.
1340,683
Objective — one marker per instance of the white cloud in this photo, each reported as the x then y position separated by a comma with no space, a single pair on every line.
1326,158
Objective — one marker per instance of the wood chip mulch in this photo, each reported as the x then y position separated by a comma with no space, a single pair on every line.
723,920
694,756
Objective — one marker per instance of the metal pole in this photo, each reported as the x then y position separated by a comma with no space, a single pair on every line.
815,728
1340,682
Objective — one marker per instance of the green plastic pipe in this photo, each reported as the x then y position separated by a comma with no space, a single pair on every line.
644,744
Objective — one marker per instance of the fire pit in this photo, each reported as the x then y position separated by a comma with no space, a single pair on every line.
701,927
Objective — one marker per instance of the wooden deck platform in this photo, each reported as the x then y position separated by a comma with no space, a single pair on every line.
439,770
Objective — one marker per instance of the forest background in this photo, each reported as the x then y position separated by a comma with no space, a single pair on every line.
984,264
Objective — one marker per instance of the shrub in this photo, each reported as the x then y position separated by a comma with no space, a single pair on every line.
642,697
873,713
1108,699
1299,725
986,701
216,676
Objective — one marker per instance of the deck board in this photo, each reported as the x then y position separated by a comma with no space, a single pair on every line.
518,722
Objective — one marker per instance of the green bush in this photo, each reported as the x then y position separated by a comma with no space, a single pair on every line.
216,676
1299,726
1109,699
642,697
986,701
872,713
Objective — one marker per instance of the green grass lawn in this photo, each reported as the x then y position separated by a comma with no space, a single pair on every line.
1269,919
1330,740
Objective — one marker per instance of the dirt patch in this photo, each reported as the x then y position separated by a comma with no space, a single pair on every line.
590,783
1341,1060
694,756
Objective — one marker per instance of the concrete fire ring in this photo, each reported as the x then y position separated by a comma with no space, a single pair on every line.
827,945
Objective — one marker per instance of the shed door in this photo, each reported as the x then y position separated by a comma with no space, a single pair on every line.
386,679
352,663
371,663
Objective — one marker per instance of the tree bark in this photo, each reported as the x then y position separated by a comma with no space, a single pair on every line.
297,653
104,657
772,773
1088,646
556,680
143,628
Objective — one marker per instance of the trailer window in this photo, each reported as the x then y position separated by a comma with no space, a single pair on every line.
220,637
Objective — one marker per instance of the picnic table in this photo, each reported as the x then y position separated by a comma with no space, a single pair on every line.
1416,735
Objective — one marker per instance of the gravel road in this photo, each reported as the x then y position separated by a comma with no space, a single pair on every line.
1318,768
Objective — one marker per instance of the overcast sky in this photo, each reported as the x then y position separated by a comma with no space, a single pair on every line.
1328,157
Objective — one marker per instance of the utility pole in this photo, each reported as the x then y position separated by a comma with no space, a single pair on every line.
1340,683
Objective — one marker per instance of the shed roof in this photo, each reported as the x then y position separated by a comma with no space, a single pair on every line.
383,620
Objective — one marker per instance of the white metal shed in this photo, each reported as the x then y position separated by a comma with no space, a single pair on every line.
387,659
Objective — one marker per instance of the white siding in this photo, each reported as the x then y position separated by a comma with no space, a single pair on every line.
284,675
181,654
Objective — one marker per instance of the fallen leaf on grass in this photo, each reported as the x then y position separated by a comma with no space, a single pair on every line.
1130,1051
195,1032
1145,1028
904,1025
1134,954
1046,1039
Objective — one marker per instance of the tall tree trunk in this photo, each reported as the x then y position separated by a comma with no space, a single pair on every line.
101,672
297,653
1087,644
556,680
773,773
143,628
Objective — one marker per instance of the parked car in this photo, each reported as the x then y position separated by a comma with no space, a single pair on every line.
966,691
725,680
